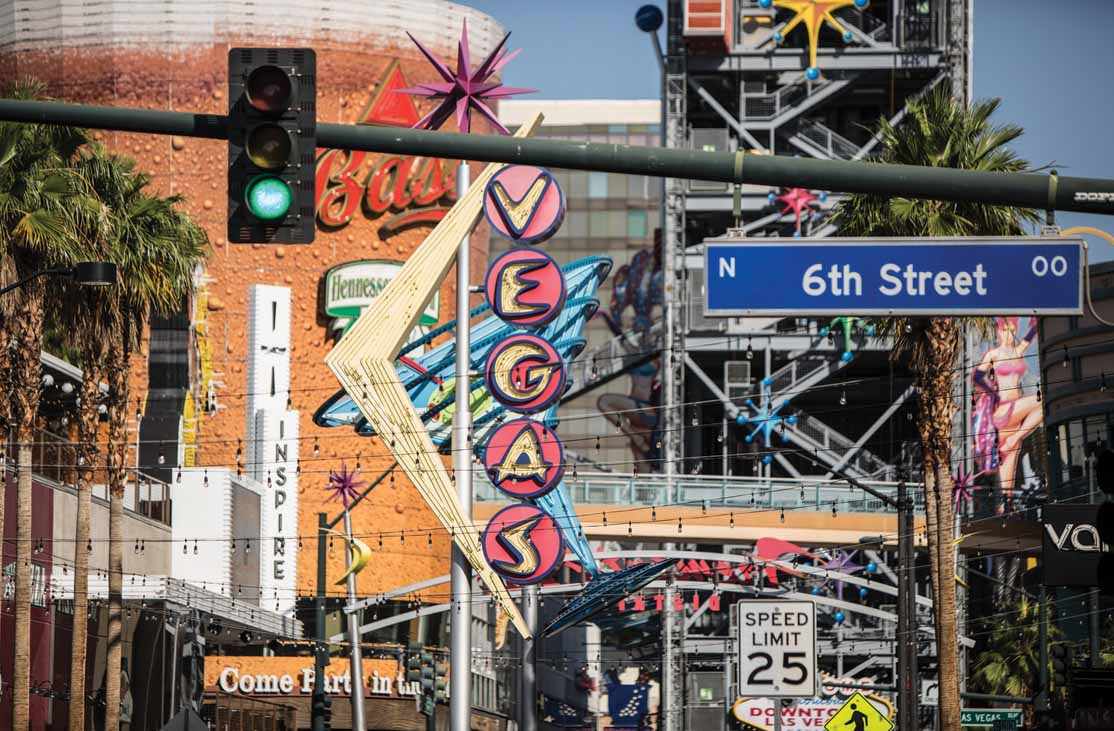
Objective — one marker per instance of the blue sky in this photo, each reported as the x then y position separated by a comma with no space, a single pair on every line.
1050,61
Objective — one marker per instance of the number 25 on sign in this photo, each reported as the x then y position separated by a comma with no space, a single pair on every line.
777,649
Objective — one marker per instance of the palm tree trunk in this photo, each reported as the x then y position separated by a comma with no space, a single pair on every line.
934,363
26,370
21,683
117,475
87,449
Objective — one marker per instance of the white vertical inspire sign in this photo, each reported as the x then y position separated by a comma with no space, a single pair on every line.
272,448
777,649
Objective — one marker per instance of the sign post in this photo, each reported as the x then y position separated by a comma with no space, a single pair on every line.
777,649
889,276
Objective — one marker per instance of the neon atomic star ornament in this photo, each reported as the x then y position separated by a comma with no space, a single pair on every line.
797,201
813,15
850,327
766,420
465,90
344,485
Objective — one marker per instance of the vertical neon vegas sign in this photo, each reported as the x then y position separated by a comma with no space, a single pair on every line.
525,373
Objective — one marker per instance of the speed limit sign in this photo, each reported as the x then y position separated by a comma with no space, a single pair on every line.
777,649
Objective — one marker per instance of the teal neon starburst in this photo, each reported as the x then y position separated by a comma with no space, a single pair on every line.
765,420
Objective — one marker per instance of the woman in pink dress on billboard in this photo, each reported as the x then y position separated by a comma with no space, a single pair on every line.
1004,415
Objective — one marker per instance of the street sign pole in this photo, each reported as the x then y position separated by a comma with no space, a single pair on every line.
460,627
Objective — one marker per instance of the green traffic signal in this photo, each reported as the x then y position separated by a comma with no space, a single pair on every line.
268,198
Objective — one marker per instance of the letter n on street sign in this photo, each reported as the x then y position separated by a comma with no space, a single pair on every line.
777,649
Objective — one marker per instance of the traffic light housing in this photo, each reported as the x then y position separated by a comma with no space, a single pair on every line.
441,682
414,664
322,707
428,682
1061,656
272,122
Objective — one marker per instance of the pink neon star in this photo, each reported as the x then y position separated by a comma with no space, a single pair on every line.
465,90
797,200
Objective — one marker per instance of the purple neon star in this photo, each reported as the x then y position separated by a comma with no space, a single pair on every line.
842,562
344,485
466,89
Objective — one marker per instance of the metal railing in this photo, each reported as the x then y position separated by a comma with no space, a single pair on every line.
54,460
773,104
837,444
827,139
604,361
717,491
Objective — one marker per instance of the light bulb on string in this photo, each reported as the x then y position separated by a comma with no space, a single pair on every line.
842,398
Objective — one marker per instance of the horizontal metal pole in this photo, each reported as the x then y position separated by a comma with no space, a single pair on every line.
1085,195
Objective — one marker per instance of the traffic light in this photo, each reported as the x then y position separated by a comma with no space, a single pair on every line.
428,682
322,707
1061,656
414,664
441,684
271,145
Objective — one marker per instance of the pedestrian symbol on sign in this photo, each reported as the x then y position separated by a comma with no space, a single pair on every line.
859,714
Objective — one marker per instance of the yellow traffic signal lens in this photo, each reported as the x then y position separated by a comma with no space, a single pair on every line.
268,146
268,89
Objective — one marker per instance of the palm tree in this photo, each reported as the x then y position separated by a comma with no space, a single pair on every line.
938,132
157,249
1010,664
87,318
38,205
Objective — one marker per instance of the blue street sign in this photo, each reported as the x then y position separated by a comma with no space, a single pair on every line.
972,276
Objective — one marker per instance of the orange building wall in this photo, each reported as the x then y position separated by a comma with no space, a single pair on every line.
196,80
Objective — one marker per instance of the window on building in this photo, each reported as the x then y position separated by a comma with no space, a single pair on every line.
597,224
636,224
617,224
576,224
597,185
578,185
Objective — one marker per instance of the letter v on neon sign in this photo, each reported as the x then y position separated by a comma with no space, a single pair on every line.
364,363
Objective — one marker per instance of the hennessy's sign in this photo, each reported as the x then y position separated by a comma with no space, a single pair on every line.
412,190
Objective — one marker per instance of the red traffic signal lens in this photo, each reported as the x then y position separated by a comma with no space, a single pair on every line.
268,146
268,89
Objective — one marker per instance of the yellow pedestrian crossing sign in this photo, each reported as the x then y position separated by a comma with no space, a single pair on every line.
858,714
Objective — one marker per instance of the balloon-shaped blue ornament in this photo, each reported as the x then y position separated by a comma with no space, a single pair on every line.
839,617
863,591
778,37
812,73
848,36
860,4
872,568
765,4
816,591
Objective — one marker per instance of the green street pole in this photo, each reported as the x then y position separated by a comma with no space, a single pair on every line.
1044,192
